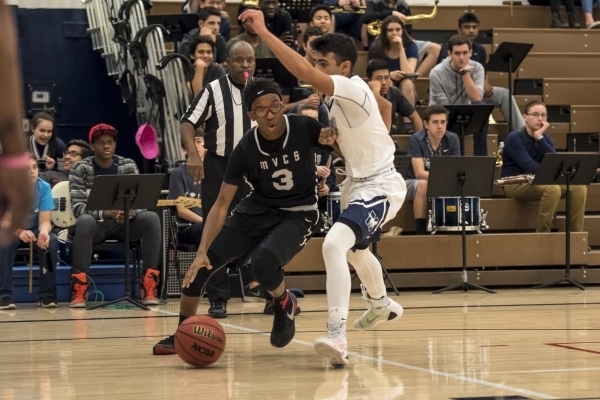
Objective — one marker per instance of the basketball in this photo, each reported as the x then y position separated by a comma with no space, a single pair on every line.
200,340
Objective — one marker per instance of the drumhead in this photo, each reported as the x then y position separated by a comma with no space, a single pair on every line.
334,195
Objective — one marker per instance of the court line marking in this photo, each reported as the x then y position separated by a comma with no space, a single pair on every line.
397,364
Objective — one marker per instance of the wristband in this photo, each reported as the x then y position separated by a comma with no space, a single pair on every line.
15,162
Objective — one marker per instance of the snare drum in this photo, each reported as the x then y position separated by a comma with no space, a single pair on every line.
446,214
333,207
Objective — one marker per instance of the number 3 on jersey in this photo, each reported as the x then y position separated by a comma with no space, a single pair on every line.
283,179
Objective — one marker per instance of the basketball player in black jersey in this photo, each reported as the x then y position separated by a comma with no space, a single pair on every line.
275,221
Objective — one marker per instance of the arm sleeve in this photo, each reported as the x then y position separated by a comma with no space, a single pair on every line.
403,106
443,52
176,184
454,146
515,147
412,51
201,108
221,47
46,203
78,192
546,144
236,167
436,90
287,23
372,13
479,77
414,149
225,29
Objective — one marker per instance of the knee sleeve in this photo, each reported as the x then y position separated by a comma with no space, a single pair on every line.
266,269
199,282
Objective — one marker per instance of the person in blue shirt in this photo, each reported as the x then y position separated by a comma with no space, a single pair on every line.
523,152
37,230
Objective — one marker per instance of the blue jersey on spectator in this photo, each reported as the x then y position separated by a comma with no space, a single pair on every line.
43,202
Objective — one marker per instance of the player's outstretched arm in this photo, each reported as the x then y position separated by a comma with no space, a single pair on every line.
212,226
291,60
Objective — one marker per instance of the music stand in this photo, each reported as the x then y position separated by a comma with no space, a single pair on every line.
125,192
567,169
272,68
507,58
460,177
467,119
402,164
177,24
299,9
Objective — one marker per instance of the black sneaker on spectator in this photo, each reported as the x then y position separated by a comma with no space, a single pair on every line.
6,303
218,309
47,302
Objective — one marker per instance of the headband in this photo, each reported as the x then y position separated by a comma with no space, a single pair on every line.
259,92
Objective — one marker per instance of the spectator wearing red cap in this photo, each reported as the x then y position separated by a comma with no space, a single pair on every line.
93,227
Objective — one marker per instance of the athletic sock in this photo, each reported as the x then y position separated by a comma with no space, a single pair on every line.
421,225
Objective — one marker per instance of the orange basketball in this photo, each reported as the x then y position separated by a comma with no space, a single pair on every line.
200,340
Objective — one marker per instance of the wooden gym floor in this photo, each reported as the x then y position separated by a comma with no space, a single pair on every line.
521,344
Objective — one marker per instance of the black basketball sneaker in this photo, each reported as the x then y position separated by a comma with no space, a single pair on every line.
165,347
284,327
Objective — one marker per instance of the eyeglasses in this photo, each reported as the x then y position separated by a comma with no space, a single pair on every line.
107,143
538,115
262,112
71,153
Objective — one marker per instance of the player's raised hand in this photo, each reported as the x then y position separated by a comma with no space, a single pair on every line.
201,261
328,136
256,19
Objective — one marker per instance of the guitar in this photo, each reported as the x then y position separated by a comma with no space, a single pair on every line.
62,215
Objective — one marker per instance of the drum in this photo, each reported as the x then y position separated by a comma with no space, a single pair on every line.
446,215
333,207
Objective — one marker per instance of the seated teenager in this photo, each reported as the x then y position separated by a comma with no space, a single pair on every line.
192,6
202,49
190,222
43,143
37,232
321,17
209,22
398,50
77,150
377,70
278,21
261,50
93,227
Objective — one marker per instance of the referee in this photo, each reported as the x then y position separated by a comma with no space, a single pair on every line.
219,107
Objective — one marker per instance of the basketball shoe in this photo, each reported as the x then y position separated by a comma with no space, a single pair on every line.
165,346
284,326
381,310
334,346
149,290
79,287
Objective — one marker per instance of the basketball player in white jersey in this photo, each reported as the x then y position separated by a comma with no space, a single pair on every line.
372,193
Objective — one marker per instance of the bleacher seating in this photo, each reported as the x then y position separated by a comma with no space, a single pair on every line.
563,71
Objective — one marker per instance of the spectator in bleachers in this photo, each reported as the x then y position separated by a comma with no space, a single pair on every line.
349,23
308,36
433,141
399,51
377,70
557,21
192,6
202,49
378,10
468,25
77,150
43,142
459,80
321,17
209,21
587,6
278,21
37,231
523,152
248,35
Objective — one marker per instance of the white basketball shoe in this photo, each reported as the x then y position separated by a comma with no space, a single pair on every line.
334,346
381,310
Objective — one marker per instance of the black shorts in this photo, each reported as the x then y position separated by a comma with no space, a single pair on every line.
253,225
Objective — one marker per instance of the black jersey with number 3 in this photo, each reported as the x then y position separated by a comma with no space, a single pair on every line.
282,172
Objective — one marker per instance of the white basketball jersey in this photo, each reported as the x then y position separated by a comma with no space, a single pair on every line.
362,135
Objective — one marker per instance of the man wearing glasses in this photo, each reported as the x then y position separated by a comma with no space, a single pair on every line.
523,152
274,222
93,227
77,150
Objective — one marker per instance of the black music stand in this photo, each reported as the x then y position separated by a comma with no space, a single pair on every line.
299,9
460,177
507,58
567,169
272,68
177,24
467,119
125,192
402,164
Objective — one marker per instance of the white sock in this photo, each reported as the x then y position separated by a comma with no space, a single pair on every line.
369,271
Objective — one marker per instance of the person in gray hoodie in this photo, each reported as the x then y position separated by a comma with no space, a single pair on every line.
458,80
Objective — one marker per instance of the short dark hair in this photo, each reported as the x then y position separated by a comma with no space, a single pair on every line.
204,13
319,7
86,150
376,65
467,18
532,104
199,40
303,107
311,31
255,85
342,47
434,110
458,40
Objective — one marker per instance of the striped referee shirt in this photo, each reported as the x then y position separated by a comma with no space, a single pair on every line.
219,105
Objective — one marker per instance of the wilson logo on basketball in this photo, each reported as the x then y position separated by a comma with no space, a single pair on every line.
202,331
203,350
